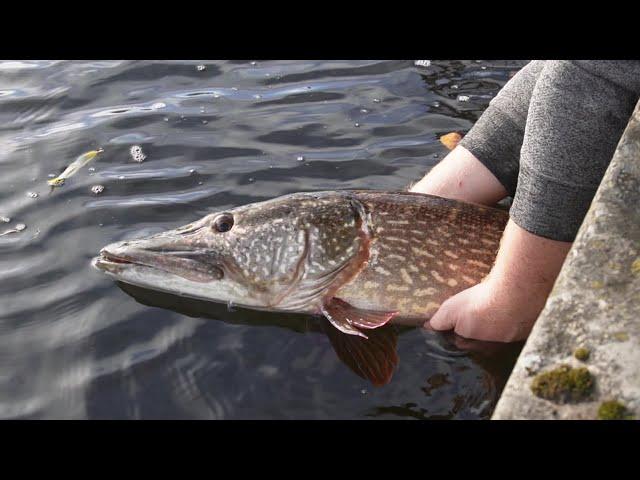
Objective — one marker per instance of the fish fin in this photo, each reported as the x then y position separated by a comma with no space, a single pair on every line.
347,318
374,359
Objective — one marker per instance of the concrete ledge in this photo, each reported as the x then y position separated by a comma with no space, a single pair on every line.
595,304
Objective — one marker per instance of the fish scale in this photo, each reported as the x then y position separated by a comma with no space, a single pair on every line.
424,250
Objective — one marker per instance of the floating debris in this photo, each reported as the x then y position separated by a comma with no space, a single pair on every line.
97,189
5,219
257,96
201,67
376,100
435,104
422,63
158,105
451,140
52,175
121,177
216,95
455,87
364,110
192,170
300,158
18,228
137,154
254,63
204,122
72,169
32,195
463,98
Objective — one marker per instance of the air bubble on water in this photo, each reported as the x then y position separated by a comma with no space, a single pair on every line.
166,119
216,95
97,189
454,86
254,63
364,391
364,110
52,175
257,96
463,98
300,158
121,177
435,155
251,179
376,100
200,67
20,227
199,183
422,63
192,170
483,68
202,110
436,104
235,89
5,219
92,169
205,122
137,154
158,105
356,124
32,195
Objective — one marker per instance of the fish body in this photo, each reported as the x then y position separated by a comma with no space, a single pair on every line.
360,258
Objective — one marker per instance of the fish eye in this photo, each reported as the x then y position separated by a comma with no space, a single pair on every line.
223,222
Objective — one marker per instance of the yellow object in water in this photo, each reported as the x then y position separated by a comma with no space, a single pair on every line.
79,162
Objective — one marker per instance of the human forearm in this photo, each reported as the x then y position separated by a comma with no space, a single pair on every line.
460,175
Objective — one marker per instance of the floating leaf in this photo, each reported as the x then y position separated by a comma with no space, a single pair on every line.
451,140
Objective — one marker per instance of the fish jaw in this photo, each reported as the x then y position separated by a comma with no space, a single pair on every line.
160,264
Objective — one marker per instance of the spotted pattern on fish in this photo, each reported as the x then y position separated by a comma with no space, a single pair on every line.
432,246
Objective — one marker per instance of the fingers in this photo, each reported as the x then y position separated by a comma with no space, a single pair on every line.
445,318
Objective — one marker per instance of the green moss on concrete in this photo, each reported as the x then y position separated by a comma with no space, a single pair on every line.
635,267
613,410
582,354
621,336
563,384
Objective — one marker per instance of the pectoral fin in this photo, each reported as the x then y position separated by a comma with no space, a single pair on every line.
348,318
374,359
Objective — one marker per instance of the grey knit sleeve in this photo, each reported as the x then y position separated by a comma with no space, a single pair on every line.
577,113
496,138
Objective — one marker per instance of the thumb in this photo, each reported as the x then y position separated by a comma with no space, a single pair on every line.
444,318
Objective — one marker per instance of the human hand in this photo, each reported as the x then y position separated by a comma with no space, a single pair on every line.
488,311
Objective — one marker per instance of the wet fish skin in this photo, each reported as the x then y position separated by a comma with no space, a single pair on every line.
361,258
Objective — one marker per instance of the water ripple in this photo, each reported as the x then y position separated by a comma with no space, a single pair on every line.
74,345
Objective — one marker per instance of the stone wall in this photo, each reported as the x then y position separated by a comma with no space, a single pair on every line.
594,305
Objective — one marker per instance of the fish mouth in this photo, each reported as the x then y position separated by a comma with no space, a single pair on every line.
117,258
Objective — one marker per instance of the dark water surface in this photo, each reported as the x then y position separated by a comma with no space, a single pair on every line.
75,345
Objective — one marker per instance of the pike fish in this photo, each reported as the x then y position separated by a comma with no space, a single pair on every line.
360,258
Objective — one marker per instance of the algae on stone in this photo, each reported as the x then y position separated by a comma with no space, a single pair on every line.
581,353
563,384
613,410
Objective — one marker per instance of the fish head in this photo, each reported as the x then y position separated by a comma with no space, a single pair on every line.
257,255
